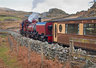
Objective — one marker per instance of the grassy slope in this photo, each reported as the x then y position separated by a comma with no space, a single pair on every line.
7,14
9,61
9,18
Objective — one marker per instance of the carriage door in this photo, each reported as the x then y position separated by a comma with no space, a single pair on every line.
55,32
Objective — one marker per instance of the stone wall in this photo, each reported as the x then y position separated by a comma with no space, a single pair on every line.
51,51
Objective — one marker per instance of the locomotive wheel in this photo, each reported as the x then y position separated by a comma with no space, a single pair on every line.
43,39
22,32
36,36
39,37
27,35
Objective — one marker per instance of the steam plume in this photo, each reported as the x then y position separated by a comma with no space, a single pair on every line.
34,15
36,2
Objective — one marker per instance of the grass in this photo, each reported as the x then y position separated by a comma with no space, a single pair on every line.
3,36
9,18
8,60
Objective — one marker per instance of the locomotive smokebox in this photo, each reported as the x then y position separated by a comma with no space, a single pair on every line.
39,19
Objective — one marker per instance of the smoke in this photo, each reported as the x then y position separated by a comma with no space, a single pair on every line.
36,2
34,15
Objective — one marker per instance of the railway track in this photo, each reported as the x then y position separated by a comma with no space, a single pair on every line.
9,32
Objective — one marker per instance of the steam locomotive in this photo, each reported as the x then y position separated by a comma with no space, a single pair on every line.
37,30
62,30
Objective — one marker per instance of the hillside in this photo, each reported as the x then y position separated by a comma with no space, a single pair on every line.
11,19
7,14
89,13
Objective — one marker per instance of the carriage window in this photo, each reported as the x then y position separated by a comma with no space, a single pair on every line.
60,28
89,29
72,28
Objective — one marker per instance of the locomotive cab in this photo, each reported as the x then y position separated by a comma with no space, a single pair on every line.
37,30
44,30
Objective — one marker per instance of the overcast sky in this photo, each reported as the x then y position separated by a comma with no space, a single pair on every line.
69,6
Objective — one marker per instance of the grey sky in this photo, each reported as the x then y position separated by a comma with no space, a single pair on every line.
69,6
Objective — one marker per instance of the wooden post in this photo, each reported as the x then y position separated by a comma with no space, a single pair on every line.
71,50
11,43
42,55
85,55
17,46
29,50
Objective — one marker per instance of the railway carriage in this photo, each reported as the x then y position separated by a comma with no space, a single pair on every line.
81,28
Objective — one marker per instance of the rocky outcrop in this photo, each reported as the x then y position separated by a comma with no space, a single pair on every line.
54,13
89,13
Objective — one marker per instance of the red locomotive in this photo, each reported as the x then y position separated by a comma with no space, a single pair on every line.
37,30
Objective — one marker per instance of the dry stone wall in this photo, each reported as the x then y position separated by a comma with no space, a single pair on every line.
51,51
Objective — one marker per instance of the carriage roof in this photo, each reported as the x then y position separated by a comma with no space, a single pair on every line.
73,19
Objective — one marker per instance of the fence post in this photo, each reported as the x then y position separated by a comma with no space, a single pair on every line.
11,44
42,55
17,46
29,50
71,49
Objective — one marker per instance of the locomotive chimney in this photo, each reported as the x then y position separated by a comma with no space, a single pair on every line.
39,19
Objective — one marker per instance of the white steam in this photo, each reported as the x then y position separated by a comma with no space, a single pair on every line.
36,2
33,16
